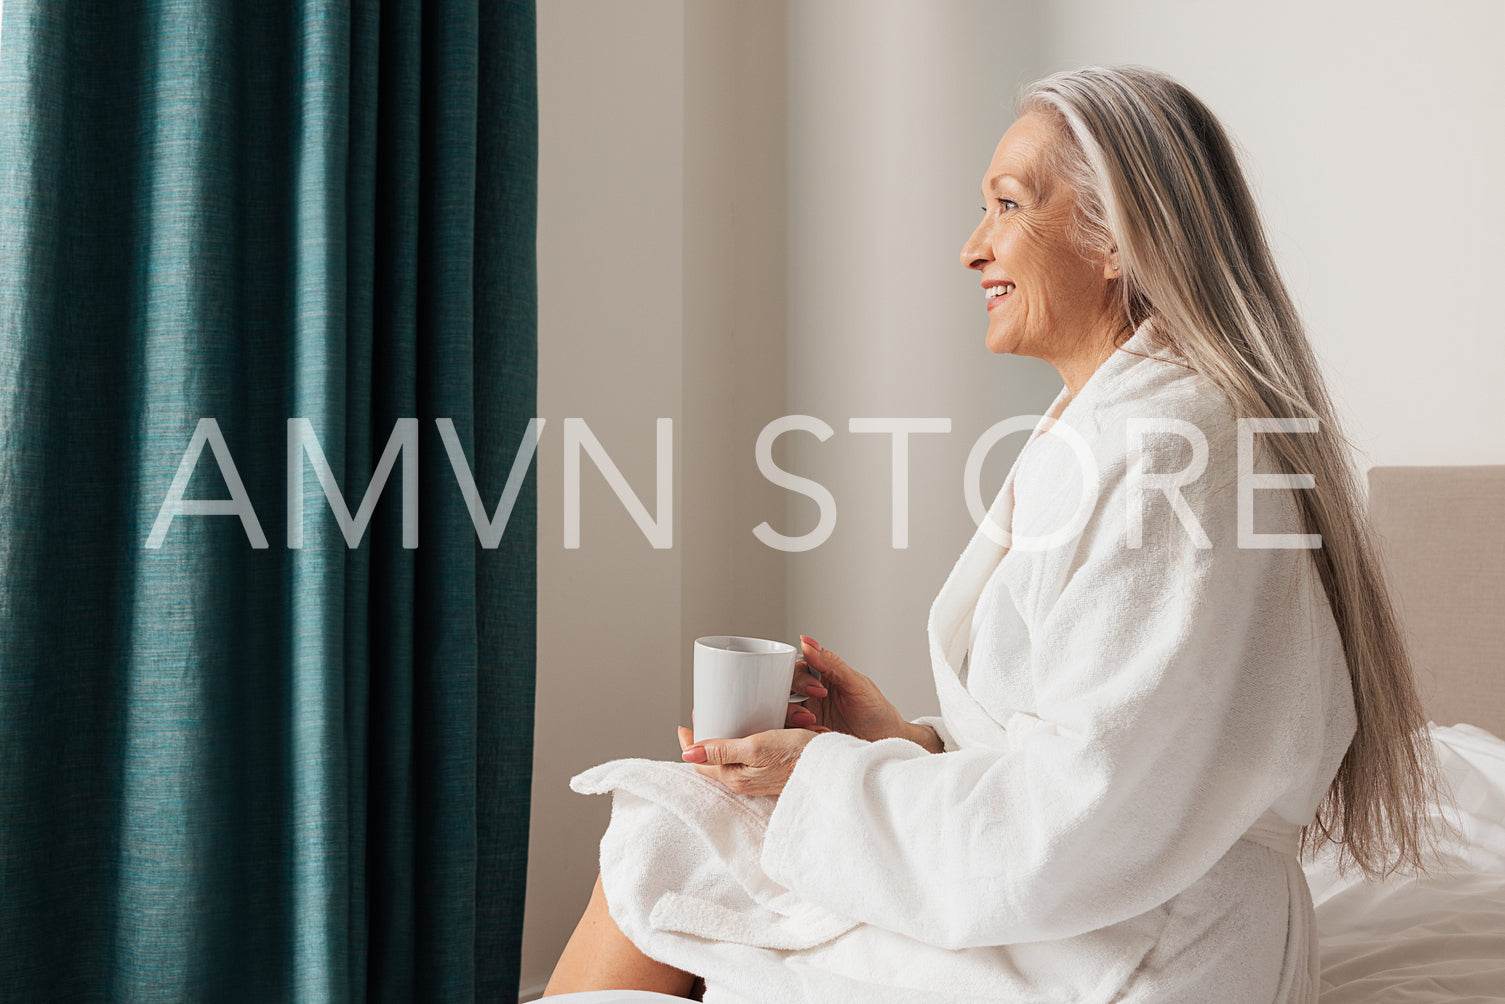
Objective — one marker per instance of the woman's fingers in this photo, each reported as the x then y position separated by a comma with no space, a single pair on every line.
811,650
759,764
799,717
719,752
823,659
686,737
819,660
806,682
756,750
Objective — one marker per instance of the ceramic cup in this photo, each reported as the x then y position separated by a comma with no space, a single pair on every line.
742,686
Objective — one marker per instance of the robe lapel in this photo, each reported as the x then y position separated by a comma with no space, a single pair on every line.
950,629
950,622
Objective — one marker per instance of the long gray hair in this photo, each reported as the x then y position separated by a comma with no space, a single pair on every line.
1156,177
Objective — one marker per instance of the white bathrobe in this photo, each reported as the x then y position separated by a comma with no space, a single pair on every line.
1133,738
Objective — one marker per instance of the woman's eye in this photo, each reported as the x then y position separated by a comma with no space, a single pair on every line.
1008,203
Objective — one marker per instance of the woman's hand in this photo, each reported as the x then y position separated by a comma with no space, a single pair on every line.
757,765
842,700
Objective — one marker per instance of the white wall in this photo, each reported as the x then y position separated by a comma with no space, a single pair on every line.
1374,132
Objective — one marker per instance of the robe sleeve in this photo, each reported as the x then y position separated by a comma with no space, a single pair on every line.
948,742
1180,693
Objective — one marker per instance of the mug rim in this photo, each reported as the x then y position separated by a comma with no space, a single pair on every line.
721,643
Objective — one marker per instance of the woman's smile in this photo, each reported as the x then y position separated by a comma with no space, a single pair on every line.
997,291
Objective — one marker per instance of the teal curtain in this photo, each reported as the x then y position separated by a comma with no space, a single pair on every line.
239,773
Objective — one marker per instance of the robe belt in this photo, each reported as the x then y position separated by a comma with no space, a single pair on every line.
1274,831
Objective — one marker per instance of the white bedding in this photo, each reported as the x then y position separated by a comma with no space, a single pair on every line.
1420,941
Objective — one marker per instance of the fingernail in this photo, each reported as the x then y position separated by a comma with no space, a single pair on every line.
811,642
695,754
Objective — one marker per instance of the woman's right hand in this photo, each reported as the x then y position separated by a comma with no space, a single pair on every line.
842,699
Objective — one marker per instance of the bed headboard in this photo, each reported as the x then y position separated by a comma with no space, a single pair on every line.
1442,539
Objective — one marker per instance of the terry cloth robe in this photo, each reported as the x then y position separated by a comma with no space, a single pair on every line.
1133,737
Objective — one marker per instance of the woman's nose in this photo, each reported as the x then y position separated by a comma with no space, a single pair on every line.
975,251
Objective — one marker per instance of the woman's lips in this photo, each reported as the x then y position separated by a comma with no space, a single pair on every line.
994,301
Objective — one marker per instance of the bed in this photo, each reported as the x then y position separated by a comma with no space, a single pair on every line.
1437,938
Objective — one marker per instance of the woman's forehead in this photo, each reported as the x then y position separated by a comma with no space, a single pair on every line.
1021,157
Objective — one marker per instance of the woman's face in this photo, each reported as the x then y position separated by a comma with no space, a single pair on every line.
1057,304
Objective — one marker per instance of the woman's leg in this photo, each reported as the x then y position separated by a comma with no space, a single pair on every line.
600,957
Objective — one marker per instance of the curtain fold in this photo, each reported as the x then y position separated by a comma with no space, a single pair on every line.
242,773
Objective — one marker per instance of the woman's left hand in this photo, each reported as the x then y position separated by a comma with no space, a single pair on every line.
757,765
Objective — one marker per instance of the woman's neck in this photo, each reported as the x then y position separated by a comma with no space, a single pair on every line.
1091,352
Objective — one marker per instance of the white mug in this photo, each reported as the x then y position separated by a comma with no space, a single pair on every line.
742,686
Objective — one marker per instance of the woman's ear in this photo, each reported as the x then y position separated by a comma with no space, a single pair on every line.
1111,268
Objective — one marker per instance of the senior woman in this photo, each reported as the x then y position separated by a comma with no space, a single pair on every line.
1166,662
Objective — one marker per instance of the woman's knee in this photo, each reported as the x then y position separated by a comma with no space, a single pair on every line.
599,956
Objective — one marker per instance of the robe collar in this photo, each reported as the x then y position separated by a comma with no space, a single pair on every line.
950,618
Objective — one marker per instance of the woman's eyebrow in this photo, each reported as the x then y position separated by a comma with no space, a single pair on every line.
992,182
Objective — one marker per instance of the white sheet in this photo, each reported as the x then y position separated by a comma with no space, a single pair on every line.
1429,940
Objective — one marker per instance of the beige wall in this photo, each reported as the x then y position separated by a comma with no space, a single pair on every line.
610,244
734,304
895,108
661,294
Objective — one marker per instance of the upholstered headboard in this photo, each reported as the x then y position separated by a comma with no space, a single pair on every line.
1442,539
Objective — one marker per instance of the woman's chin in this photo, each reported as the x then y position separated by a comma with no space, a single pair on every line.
1001,342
